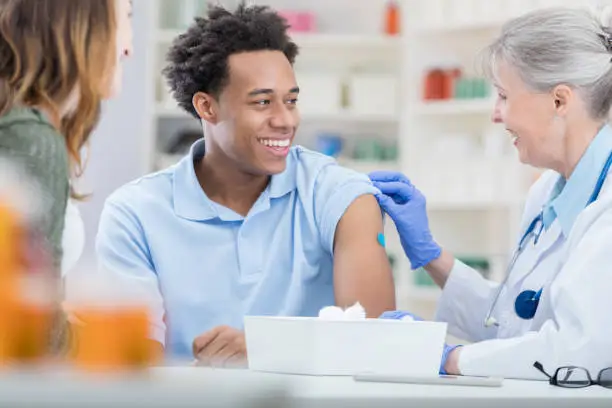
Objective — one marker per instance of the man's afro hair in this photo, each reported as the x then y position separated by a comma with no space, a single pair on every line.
198,59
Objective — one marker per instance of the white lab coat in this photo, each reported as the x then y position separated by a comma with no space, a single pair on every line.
573,323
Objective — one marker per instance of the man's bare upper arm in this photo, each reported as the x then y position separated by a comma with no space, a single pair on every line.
361,268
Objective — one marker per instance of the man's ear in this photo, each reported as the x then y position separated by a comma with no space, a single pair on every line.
562,96
206,106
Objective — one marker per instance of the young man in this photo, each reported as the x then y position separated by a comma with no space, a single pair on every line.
245,224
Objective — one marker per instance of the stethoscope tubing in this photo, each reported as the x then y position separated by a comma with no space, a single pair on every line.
489,319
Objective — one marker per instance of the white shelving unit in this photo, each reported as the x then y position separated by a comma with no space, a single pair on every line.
165,110
474,195
452,108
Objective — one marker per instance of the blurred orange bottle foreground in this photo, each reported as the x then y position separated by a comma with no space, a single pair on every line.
10,267
110,326
112,338
109,335
26,306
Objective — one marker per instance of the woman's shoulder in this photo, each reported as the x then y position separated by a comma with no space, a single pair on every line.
38,151
25,132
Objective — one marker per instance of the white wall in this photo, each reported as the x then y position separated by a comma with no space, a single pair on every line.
120,145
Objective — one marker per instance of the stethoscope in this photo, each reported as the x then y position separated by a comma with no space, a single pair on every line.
526,303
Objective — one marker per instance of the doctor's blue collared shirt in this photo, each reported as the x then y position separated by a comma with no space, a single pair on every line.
569,197
200,265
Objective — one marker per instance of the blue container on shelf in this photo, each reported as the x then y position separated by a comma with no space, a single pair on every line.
330,144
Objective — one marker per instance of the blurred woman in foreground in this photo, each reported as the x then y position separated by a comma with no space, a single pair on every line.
58,60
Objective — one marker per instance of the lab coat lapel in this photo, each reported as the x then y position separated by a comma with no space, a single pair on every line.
533,255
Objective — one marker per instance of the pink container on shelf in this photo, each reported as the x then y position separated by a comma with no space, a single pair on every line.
299,21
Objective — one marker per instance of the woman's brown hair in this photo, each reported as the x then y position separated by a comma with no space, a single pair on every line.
57,53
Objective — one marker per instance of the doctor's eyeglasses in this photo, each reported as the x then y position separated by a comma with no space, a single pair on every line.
576,377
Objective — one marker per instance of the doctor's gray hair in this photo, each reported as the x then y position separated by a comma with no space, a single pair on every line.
555,46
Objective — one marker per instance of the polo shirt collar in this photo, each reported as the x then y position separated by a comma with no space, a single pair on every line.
192,203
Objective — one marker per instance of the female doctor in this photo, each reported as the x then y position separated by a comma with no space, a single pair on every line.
553,72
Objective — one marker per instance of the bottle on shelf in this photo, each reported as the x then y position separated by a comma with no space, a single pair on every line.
392,18
441,83
433,85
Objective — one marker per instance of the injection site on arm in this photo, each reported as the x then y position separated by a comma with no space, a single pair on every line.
350,222
361,267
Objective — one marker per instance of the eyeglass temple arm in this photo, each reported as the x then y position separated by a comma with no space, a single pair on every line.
540,368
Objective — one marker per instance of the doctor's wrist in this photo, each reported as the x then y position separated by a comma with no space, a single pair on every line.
451,365
440,268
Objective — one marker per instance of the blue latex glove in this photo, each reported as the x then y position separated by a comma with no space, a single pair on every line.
406,206
399,314
445,353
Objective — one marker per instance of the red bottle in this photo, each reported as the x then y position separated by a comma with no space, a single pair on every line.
433,85
392,18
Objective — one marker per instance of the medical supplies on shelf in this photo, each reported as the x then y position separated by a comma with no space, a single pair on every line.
452,83
357,148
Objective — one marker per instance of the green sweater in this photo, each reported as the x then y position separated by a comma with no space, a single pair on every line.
28,138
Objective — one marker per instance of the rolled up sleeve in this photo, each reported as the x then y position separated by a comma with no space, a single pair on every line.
336,188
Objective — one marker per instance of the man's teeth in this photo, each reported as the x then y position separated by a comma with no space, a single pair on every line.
514,139
275,142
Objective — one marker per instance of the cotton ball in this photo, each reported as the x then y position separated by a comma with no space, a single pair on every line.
355,312
407,318
331,313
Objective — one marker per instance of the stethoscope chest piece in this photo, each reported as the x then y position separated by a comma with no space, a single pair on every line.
526,303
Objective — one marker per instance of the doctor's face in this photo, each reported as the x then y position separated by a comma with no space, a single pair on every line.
529,117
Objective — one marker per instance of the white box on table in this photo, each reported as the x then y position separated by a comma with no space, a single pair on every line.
312,346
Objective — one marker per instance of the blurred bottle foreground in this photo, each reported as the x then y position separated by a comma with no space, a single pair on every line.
103,331
28,287
110,325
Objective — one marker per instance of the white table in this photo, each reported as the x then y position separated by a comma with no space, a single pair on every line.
191,386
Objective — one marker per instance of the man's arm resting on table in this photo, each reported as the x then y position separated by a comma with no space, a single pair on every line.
361,267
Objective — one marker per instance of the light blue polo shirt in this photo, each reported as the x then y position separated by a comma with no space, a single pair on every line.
200,265
569,197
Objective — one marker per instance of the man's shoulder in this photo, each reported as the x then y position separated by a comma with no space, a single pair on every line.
320,167
146,192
